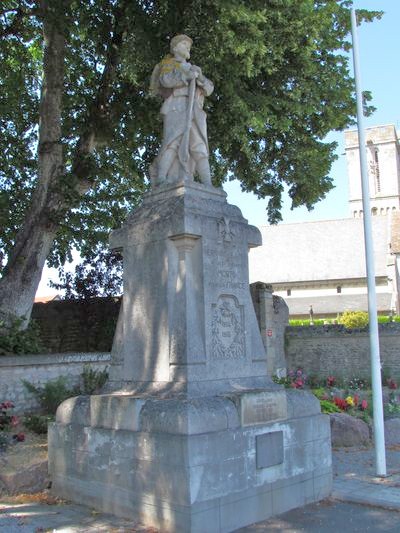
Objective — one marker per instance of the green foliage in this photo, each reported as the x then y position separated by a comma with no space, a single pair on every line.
286,381
282,83
52,394
388,319
99,274
93,380
319,392
38,423
13,340
392,407
307,322
358,383
354,319
328,407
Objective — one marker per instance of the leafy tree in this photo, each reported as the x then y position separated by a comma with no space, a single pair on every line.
99,274
79,129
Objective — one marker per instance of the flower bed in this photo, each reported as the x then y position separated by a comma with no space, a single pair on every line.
353,397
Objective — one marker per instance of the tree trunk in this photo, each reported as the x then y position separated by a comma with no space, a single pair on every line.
33,242
22,274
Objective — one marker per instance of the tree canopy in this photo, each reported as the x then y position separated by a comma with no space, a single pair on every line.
282,83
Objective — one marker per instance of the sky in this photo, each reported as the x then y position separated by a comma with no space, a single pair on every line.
379,46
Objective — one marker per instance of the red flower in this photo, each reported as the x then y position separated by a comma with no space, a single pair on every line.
14,420
391,383
355,399
364,405
330,381
341,403
19,437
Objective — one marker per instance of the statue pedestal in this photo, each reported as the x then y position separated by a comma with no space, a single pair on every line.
193,435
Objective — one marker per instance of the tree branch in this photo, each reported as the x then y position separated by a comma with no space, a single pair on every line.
100,110
15,27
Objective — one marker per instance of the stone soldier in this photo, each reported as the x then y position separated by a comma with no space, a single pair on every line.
184,150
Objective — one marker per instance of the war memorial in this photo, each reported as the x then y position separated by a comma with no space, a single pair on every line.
191,435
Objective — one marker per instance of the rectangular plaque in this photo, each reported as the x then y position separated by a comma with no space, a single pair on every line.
262,407
269,449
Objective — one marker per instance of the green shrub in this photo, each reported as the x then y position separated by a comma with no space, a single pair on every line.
51,394
14,340
354,319
38,423
319,392
286,381
93,380
307,322
328,407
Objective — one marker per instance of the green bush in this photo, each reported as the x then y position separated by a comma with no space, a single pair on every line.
51,394
93,380
328,407
38,423
307,322
14,340
354,319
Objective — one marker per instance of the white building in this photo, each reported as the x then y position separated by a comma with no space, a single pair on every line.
322,264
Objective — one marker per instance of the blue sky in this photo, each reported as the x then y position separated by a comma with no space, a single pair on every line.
379,44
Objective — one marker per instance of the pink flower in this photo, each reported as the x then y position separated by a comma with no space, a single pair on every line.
364,405
14,420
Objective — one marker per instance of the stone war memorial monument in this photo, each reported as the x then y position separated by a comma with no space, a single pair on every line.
191,435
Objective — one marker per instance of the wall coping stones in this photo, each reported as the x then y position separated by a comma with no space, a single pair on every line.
338,330
53,359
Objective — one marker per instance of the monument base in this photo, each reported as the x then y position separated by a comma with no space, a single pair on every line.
192,464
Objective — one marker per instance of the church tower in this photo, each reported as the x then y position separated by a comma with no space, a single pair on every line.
383,159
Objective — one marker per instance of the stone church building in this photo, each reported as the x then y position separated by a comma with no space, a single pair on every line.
322,264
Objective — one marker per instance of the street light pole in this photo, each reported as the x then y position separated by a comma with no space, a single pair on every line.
379,432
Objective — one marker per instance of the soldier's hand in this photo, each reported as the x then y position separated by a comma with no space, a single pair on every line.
192,75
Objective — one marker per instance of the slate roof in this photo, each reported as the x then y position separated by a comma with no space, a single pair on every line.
318,251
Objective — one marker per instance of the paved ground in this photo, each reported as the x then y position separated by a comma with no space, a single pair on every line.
354,484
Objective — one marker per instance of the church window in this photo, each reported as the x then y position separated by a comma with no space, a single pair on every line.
374,211
289,292
338,289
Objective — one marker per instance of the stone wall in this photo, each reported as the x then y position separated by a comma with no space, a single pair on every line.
77,325
38,369
333,350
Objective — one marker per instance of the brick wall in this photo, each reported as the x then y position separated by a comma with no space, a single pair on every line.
38,369
333,350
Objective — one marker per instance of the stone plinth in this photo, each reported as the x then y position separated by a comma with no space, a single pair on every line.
193,435
187,321
192,465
